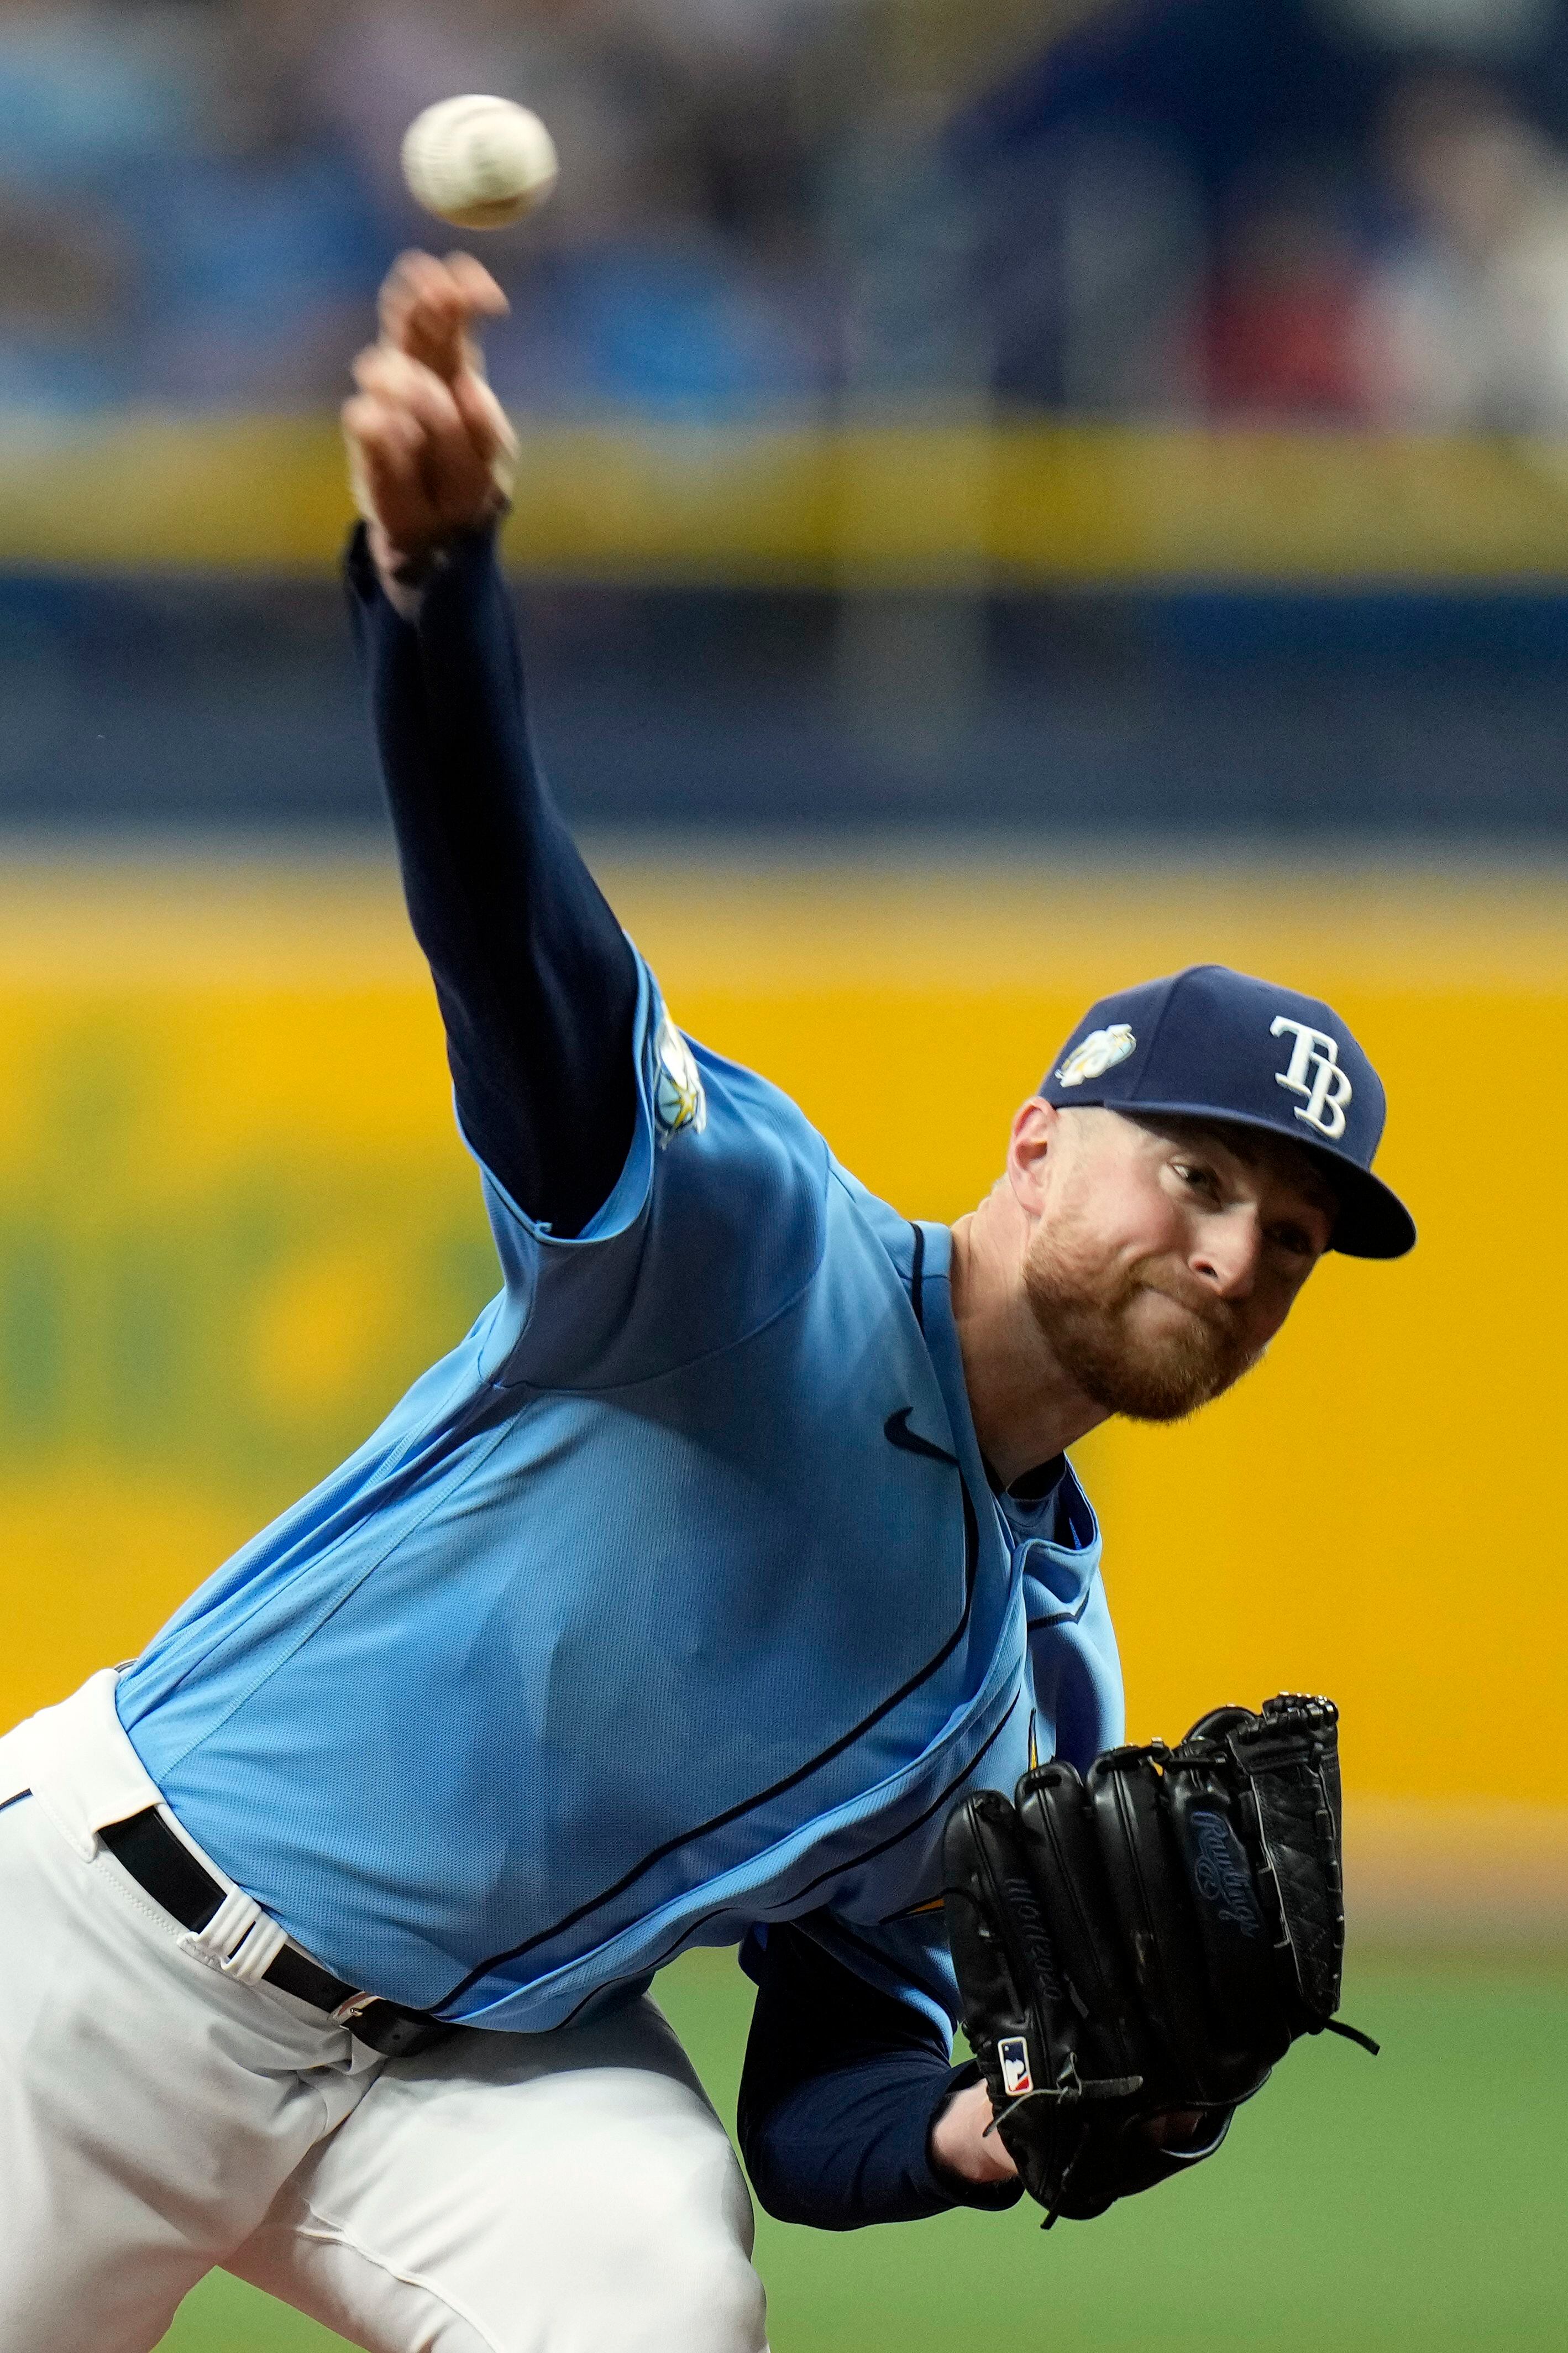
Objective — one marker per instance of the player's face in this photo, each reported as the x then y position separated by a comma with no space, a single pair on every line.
1165,1258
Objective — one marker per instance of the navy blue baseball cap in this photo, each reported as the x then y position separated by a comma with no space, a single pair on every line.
1210,1043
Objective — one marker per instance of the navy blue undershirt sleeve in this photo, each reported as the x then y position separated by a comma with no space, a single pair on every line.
536,981
841,2086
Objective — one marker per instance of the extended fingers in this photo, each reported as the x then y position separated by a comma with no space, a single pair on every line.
422,313
478,290
428,308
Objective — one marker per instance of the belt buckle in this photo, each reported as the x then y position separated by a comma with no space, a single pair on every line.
355,2007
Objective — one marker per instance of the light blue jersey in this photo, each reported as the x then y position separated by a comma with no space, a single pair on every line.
674,1600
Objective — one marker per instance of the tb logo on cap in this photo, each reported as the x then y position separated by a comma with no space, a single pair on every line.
1315,1072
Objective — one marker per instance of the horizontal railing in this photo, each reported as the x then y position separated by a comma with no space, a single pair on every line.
1013,505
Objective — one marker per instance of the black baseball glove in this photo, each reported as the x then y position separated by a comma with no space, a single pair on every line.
1134,1951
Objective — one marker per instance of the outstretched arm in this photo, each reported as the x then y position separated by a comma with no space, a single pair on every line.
537,983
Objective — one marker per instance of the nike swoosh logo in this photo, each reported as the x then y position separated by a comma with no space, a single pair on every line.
897,1431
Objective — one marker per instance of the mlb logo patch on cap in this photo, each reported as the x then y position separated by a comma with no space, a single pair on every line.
1013,2053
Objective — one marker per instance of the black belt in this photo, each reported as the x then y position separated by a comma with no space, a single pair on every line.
147,1848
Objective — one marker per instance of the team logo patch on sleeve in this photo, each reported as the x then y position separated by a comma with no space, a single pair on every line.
1098,1052
1013,2057
678,1099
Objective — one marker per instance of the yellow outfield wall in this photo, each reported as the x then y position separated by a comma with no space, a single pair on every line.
235,1221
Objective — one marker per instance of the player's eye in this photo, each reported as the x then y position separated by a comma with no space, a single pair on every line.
1198,1178
1296,1240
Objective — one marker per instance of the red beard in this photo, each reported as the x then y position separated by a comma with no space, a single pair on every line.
1148,1376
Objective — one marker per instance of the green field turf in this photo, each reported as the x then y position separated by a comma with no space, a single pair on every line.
1360,2206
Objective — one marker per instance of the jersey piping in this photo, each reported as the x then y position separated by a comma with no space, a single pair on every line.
844,1870
764,1797
1064,1617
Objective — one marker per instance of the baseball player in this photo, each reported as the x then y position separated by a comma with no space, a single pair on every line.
680,1604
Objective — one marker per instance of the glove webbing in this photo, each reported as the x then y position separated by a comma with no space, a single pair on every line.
1298,1819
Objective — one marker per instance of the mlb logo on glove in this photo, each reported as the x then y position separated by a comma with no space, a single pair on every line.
1013,2053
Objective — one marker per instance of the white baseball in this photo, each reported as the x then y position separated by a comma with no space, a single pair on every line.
480,162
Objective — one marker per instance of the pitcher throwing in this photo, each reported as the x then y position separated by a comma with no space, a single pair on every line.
733,1550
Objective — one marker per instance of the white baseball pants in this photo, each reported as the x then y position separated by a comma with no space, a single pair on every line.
571,2192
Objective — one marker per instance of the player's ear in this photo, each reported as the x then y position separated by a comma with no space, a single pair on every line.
1035,1135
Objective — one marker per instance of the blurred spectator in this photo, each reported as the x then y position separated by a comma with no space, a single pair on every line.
1091,257
86,89
82,101
209,189
1280,331
1491,28
1157,206
1466,321
64,285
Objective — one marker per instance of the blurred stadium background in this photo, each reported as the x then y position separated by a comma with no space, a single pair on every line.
1017,494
